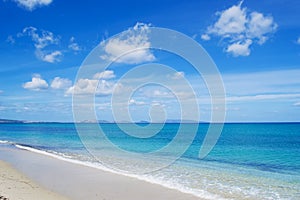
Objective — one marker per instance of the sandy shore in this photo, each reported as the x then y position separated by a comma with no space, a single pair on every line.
14,185
74,181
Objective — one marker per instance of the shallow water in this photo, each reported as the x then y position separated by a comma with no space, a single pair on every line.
250,161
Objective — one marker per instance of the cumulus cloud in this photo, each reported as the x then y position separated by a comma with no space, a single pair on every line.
36,83
83,86
60,83
239,29
135,40
92,86
239,48
205,37
231,21
32,4
51,57
107,74
102,87
259,26
43,39
74,45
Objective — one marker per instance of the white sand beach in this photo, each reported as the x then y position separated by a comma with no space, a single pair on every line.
72,181
14,185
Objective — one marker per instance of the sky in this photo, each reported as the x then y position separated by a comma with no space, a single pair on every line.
44,44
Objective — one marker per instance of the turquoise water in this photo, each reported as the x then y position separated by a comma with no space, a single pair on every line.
249,161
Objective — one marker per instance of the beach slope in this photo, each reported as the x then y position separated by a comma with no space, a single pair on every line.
73,181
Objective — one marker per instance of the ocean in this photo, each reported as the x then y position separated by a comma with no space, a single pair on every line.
249,161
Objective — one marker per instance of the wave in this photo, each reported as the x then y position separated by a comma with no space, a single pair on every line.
146,178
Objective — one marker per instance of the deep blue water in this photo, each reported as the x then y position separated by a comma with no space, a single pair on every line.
260,159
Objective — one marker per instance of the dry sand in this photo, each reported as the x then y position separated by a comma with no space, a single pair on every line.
16,186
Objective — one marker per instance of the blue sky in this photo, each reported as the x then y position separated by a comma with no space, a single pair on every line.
255,45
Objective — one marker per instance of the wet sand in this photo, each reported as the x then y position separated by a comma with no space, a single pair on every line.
73,181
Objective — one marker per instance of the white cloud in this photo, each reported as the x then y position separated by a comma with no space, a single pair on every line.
239,29
160,93
107,74
157,103
259,26
239,49
36,83
105,87
205,37
26,108
74,45
135,102
231,21
83,86
33,4
93,86
10,39
178,75
99,85
60,83
42,39
135,40
52,57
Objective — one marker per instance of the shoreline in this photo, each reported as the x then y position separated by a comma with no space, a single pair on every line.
82,182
